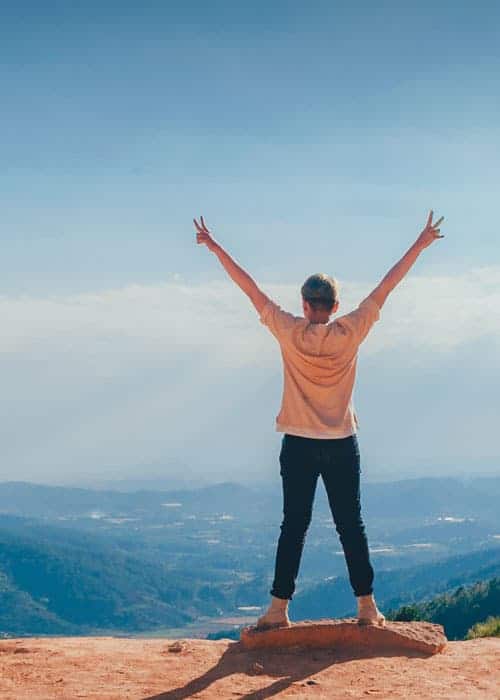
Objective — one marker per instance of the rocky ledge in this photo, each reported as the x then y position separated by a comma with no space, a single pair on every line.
348,635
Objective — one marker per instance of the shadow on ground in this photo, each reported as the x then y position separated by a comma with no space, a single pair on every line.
281,664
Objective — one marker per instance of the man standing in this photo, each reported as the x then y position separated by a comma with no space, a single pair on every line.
317,418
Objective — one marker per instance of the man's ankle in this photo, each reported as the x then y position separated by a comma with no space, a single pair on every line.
279,602
366,598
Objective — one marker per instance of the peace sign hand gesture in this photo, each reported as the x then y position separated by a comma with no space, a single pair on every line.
431,232
203,235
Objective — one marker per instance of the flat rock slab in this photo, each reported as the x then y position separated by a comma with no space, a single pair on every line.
348,635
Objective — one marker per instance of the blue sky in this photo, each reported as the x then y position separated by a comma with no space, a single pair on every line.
311,136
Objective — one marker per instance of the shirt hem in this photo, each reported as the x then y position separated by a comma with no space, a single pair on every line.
304,432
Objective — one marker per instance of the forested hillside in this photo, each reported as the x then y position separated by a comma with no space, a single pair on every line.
80,586
458,610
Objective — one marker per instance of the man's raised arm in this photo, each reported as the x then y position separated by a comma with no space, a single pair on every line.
237,274
430,233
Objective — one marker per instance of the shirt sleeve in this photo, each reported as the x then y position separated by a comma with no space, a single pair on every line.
362,319
278,321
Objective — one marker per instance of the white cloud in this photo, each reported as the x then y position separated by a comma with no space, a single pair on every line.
439,312
139,374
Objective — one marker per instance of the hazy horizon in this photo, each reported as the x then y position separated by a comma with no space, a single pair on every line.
176,481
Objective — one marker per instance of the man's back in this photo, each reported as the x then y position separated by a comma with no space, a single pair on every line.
319,362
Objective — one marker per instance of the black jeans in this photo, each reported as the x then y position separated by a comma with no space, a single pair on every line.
302,460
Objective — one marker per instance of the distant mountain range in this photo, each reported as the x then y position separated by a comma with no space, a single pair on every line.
405,499
36,500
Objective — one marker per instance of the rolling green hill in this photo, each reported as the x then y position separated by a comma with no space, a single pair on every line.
458,610
80,585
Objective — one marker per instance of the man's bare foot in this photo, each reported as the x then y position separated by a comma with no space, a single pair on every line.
368,613
275,616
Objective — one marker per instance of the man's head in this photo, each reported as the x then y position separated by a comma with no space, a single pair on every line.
320,297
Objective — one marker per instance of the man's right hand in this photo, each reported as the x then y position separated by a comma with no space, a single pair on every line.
203,235
430,233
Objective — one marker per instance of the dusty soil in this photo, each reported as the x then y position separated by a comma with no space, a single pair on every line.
115,668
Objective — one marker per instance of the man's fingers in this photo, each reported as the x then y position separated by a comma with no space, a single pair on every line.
438,222
429,220
203,224
201,233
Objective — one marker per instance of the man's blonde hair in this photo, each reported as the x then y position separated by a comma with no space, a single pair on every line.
321,291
